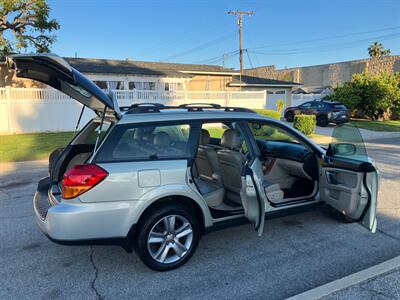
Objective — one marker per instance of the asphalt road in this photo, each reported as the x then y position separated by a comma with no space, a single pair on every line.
296,253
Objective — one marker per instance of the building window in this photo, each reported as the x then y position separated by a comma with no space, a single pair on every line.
270,92
152,86
166,86
280,92
131,85
101,84
116,85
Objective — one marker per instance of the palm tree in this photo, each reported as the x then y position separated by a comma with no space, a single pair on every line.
377,50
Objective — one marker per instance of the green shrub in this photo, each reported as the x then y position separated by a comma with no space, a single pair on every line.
376,95
268,131
305,123
269,113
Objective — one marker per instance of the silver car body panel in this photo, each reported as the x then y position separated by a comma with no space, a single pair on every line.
111,208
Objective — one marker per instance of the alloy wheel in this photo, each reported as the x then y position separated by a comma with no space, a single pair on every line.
170,239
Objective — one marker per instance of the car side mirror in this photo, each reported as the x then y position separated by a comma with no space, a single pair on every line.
342,149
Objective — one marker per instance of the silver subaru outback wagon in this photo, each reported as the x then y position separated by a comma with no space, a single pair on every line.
154,178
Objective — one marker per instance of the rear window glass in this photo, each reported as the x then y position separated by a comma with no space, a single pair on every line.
88,135
148,142
91,138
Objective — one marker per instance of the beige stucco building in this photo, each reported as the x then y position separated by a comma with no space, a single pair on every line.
329,75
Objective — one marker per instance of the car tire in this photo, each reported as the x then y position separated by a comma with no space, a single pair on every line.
289,116
322,121
167,251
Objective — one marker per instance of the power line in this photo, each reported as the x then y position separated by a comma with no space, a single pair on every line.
327,38
248,57
200,47
218,58
323,48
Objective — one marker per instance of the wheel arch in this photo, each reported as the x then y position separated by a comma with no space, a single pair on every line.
202,216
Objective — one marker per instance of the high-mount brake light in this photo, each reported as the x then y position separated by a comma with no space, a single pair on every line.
81,178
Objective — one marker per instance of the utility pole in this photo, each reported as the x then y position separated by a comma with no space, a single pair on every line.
240,23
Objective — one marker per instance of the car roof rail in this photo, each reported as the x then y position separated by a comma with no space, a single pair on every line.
145,107
157,107
238,109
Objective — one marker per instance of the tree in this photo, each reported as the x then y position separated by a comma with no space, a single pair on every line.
24,24
377,95
377,50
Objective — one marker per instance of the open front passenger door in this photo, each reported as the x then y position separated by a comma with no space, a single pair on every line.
349,178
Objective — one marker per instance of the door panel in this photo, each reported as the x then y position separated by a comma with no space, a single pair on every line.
340,188
252,194
348,177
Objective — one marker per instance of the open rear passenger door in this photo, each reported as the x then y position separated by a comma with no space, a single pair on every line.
349,178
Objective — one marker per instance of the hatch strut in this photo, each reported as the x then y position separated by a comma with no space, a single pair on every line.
99,130
79,119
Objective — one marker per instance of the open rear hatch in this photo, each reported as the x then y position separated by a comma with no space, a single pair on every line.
57,73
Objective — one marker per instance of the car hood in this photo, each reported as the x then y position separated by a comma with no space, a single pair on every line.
57,73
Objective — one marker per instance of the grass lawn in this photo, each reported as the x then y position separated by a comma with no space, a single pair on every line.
390,125
31,146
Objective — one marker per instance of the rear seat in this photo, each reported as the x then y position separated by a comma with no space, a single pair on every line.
212,193
208,181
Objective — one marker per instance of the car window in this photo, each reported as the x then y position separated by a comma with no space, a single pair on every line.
216,130
266,132
306,105
89,134
338,106
148,142
317,105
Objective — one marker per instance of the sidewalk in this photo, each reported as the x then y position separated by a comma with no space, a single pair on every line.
378,282
11,172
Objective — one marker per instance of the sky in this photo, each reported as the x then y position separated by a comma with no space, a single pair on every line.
284,33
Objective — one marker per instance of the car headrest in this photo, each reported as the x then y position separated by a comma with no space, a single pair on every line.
162,139
231,140
138,134
143,134
204,137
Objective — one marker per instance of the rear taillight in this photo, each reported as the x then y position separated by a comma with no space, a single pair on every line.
80,179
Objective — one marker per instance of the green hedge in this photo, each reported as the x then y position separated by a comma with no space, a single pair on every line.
305,123
268,113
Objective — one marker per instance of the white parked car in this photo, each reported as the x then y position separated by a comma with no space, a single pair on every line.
155,178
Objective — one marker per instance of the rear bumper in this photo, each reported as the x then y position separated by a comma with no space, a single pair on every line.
78,223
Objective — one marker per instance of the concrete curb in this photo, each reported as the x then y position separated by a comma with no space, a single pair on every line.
349,281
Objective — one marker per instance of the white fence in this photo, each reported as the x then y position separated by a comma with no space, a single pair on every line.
37,110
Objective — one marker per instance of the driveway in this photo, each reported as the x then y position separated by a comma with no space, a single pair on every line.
296,253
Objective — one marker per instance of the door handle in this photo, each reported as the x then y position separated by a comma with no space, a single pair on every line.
331,177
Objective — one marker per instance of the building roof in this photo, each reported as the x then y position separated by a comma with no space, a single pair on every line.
94,65
261,82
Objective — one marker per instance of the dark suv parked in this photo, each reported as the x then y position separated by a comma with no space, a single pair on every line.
325,111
